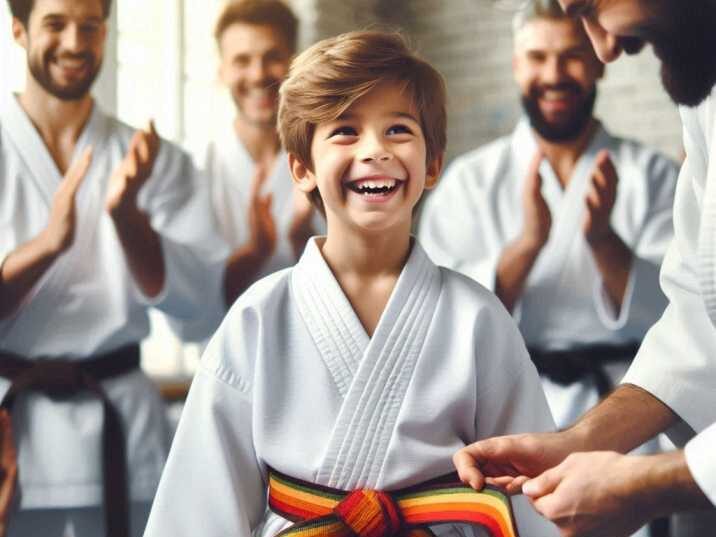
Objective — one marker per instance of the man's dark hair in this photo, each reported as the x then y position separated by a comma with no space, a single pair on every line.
21,9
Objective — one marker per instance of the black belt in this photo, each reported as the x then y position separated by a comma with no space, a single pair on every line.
574,365
61,379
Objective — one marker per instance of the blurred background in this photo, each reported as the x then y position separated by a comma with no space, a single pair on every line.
161,63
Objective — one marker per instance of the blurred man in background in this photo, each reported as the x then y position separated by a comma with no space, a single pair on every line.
97,223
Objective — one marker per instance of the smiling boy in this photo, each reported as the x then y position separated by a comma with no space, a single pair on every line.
365,367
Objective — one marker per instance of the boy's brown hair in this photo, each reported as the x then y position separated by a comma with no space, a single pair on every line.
326,79
273,13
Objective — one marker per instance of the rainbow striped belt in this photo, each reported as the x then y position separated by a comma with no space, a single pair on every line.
319,511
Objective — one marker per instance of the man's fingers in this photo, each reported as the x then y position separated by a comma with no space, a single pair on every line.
543,484
467,468
606,165
535,163
153,139
258,181
78,170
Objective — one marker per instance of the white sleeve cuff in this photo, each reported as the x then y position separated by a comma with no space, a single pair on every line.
701,458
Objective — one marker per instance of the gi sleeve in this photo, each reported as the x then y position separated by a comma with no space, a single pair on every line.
643,300
677,360
510,398
702,463
213,484
195,254
443,230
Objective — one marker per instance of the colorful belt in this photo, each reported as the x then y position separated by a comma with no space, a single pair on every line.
319,511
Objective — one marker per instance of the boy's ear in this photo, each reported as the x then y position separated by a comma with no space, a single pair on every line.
433,171
303,177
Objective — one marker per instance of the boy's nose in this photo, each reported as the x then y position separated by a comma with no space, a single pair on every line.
374,151
381,156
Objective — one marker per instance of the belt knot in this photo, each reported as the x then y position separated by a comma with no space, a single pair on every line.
369,513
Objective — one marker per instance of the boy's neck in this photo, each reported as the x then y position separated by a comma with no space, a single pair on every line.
367,255
367,268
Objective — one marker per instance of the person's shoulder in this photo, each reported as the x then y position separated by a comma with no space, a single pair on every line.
470,296
479,168
649,163
233,350
264,294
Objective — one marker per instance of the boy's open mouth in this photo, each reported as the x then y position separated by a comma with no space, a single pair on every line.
374,187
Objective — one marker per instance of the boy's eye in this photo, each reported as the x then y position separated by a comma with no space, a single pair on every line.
399,129
343,131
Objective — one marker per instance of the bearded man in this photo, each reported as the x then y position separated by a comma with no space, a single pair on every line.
579,477
97,224
566,223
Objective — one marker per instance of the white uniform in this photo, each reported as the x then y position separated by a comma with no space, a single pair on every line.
230,171
477,210
88,303
677,361
291,380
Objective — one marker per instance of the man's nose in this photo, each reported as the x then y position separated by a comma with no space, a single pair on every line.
72,38
553,71
258,70
605,44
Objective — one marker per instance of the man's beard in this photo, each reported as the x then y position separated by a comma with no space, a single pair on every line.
568,130
688,52
40,71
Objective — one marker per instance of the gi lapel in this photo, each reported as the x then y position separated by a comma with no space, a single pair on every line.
378,371
43,172
329,317
567,209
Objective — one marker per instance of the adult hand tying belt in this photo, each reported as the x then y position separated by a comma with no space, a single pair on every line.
63,379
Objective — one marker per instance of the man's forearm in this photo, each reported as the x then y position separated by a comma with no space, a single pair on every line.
614,261
143,250
626,419
22,269
665,484
513,268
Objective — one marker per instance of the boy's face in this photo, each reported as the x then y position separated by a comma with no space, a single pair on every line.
64,41
254,61
369,165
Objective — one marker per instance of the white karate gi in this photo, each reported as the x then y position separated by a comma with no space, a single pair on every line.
88,303
230,171
677,361
291,380
477,210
